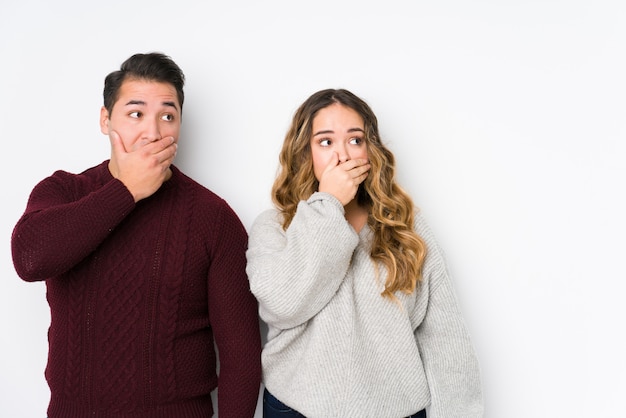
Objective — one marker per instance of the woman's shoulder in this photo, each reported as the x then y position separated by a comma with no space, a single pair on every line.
421,226
267,217
434,253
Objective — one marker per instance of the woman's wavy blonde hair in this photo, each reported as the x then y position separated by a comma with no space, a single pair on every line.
396,245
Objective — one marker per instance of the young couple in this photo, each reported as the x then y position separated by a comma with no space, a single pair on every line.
147,271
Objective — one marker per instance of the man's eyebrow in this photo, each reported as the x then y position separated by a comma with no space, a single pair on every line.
135,102
142,103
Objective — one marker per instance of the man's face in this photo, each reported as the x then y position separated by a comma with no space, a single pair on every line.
145,111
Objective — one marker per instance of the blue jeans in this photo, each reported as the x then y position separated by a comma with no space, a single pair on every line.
273,408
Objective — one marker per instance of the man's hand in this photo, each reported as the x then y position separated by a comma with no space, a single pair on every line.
145,167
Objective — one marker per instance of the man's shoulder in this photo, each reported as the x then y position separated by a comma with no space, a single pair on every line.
200,189
86,176
204,196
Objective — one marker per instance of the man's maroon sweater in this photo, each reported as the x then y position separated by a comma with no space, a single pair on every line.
139,293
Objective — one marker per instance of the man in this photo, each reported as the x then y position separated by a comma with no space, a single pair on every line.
144,268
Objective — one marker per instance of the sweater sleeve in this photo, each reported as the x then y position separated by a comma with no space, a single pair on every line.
450,363
295,273
63,223
234,320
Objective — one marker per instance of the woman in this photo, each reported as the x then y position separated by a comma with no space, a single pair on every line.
362,317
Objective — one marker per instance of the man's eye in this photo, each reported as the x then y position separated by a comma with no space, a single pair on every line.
168,117
135,115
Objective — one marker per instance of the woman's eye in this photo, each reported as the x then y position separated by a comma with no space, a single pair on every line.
135,115
356,141
168,117
325,142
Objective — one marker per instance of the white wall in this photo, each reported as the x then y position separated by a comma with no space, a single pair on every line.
507,118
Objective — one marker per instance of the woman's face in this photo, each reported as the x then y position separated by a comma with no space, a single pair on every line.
337,129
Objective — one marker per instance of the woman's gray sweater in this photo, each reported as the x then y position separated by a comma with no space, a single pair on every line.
336,347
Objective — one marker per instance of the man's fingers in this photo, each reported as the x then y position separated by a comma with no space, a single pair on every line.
167,148
149,147
116,142
118,150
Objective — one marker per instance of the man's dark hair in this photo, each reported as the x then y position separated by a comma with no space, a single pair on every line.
153,66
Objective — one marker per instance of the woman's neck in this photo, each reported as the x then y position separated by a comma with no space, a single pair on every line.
356,215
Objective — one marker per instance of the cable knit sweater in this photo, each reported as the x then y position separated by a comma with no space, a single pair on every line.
138,295
335,346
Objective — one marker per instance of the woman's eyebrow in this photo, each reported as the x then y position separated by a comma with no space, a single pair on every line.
327,131
330,131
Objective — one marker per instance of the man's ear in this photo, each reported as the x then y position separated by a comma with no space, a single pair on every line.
104,120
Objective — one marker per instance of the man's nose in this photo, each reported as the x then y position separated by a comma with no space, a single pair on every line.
152,131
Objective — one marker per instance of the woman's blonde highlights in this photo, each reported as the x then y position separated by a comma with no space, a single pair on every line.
395,245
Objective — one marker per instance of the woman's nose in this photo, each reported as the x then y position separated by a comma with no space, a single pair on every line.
343,153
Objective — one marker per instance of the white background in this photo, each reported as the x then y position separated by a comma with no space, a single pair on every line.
507,119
